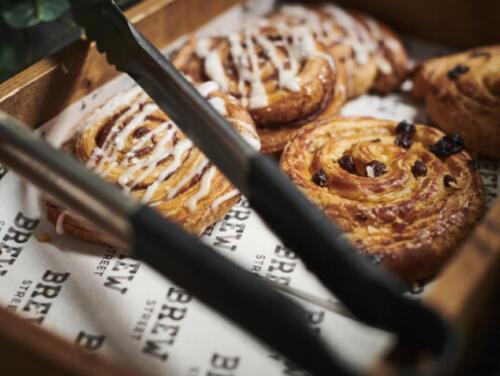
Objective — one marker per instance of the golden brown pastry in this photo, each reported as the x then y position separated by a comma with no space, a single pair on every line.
404,194
393,63
130,142
282,75
462,95
373,56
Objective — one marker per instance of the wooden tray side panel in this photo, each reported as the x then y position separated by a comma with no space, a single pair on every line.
29,350
49,86
459,23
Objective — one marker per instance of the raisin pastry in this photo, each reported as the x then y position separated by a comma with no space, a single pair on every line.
130,142
373,56
283,76
462,95
404,194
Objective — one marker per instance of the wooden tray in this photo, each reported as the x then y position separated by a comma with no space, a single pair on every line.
78,70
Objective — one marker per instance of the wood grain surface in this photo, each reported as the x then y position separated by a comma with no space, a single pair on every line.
27,349
459,23
466,294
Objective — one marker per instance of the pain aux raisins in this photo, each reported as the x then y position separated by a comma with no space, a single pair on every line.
375,168
456,72
319,178
347,163
419,169
448,145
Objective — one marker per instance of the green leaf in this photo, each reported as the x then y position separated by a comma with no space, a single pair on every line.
20,14
50,10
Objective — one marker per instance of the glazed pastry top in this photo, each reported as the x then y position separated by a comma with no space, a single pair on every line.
400,191
130,142
279,74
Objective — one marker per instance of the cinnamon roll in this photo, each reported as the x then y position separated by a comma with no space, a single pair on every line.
130,142
283,76
393,63
373,56
462,95
404,194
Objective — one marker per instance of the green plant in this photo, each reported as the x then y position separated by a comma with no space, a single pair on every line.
32,29
20,14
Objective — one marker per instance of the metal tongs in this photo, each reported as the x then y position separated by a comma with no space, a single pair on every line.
370,294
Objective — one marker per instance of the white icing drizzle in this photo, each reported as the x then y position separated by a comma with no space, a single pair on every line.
303,14
149,164
248,134
241,60
165,126
306,44
219,104
354,33
215,70
252,141
288,79
137,169
174,165
132,125
187,178
208,88
60,222
285,54
383,64
204,190
218,201
202,47
258,95
96,153
113,105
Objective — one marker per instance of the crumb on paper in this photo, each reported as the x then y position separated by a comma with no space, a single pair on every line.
43,238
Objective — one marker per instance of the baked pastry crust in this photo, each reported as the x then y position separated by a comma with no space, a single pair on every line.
405,214
373,56
282,75
462,95
393,63
130,142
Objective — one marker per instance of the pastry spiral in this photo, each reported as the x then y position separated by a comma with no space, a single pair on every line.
404,194
130,142
462,95
373,56
282,75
